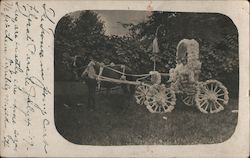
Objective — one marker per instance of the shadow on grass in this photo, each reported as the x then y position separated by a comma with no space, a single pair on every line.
115,122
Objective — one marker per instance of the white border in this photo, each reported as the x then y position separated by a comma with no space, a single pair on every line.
236,146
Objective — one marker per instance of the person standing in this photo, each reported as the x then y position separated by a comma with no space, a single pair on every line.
89,74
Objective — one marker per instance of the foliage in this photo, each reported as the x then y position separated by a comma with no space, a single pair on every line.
82,36
215,33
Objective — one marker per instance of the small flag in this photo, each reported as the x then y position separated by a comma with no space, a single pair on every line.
155,46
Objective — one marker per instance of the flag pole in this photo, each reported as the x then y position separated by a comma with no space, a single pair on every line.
155,46
154,63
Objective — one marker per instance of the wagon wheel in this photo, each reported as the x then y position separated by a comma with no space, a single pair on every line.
211,96
188,95
140,93
160,99
188,100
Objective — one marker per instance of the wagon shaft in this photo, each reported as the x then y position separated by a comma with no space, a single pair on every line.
119,81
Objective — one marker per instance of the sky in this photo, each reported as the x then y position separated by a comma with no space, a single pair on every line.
112,18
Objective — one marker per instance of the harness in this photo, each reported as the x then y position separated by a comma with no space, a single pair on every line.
92,74
99,77
102,66
123,77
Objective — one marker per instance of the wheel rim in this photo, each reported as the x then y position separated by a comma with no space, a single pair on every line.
211,97
140,94
160,99
188,100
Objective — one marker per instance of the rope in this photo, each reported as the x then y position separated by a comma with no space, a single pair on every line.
123,73
134,75
117,71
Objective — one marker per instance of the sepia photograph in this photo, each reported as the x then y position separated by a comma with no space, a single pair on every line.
131,77
120,78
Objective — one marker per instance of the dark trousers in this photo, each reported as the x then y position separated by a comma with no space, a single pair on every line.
91,83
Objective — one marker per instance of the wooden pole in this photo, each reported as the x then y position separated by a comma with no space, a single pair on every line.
107,79
154,63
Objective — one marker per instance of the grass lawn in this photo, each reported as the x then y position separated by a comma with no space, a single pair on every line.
114,122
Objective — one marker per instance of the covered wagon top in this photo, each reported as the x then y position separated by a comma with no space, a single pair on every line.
187,51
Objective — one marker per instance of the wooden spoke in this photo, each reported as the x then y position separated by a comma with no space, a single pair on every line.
204,102
221,99
202,93
210,108
215,106
215,89
218,91
204,107
218,95
188,99
220,105
212,87
206,87
140,94
160,99
164,108
204,98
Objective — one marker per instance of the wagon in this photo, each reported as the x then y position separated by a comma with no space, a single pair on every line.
209,96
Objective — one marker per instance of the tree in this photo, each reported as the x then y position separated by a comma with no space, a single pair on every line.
88,34
216,34
80,35
63,36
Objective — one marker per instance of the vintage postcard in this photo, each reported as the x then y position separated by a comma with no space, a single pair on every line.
124,78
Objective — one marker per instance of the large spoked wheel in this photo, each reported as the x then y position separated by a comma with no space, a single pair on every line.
160,99
188,99
211,96
141,93
188,95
